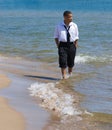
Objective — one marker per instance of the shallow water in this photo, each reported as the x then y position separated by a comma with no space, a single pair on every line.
94,81
34,72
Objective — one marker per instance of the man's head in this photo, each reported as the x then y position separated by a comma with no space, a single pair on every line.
67,16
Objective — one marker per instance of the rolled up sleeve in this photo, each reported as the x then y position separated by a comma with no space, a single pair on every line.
77,33
56,34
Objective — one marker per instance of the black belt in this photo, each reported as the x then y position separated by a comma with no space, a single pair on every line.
66,42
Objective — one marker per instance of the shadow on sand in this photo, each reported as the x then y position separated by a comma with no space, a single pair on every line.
42,77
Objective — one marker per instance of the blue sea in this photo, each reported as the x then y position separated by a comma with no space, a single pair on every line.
27,29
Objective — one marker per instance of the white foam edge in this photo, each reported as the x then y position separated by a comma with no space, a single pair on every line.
54,98
86,58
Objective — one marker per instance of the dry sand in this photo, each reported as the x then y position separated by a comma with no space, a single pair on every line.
9,118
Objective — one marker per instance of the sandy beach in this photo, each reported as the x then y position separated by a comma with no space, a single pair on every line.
10,119
19,79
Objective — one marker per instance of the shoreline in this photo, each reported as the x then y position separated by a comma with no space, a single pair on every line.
53,122
9,118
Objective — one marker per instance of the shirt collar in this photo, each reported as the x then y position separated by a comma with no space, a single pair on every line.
70,24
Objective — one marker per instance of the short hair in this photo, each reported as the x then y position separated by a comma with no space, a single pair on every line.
66,13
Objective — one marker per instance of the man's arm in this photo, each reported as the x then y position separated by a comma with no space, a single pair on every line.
77,36
57,42
76,43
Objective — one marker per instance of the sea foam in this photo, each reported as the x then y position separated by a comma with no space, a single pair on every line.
54,98
84,59
80,59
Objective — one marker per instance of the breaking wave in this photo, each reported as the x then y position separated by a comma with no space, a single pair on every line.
54,99
86,59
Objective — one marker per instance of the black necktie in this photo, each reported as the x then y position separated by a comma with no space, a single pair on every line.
68,34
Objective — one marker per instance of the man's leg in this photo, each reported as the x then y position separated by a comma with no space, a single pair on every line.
71,58
70,70
63,60
63,71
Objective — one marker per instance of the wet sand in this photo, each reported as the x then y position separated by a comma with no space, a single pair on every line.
22,75
40,73
10,119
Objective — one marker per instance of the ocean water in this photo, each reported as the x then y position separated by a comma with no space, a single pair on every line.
103,5
27,28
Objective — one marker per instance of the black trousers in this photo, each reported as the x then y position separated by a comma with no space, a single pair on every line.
67,53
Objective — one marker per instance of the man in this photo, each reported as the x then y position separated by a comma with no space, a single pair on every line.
66,38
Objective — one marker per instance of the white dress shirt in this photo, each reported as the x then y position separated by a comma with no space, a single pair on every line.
61,33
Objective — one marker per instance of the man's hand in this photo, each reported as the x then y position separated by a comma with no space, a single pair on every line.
57,42
76,43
